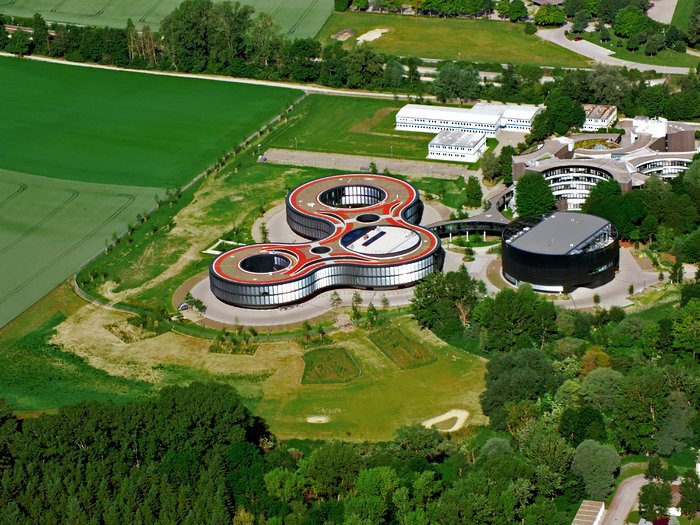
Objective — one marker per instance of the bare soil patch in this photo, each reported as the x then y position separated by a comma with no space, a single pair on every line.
343,35
371,36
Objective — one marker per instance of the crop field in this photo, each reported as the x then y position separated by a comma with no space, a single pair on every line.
453,39
87,150
296,18
115,127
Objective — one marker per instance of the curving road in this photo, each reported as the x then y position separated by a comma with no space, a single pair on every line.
624,500
600,54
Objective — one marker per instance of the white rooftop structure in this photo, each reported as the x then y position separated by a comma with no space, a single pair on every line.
482,118
457,145
656,127
598,116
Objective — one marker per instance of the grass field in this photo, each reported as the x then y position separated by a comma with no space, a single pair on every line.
360,126
666,57
681,16
87,150
297,18
328,365
453,39
404,347
113,127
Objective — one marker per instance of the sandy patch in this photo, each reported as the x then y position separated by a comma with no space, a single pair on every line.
372,35
460,417
343,35
318,419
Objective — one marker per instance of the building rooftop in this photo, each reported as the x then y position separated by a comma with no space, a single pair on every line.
588,512
559,233
598,111
462,139
481,113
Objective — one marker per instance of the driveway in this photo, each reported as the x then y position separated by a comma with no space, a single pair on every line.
600,54
359,163
624,500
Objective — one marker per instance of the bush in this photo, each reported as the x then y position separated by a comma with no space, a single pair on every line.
342,5
530,28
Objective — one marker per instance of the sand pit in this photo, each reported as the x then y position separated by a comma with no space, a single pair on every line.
461,417
372,35
318,419
343,35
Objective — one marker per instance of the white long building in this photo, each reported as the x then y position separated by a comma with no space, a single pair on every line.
482,118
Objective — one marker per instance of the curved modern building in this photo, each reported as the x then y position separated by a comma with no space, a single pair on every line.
560,252
362,232
649,147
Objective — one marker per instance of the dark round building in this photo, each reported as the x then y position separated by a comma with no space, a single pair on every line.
560,252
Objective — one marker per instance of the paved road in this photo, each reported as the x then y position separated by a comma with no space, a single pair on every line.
662,10
624,500
356,163
600,54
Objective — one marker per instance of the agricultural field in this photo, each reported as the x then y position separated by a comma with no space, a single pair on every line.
328,365
453,39
89,150
296,18
404,348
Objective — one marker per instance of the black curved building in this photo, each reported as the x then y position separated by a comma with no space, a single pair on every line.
560,252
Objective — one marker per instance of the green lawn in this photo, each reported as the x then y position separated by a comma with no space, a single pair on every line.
297,18
453,39
681,16
403,347
114,127
384,397
666,57
356,126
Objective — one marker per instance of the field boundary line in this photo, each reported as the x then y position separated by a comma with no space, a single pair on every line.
308,88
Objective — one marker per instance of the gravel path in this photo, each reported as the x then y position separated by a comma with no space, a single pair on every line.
662,10
624,500
600,54
359,163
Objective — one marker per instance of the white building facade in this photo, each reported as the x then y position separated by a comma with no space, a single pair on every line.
599,117
457,146
482,118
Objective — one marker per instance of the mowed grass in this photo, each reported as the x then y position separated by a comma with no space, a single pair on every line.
681,16
328,365
402,346
297,18
665,57
453,39
115,127
356,126
383,398
49,227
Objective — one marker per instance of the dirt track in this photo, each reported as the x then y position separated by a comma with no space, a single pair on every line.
359,163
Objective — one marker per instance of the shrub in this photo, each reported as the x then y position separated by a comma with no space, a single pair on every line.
530,28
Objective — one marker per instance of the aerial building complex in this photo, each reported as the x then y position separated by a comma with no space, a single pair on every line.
362,232
574,164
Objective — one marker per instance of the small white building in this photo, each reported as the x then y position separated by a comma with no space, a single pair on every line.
482,118
590,513
599,116
656,127
457,146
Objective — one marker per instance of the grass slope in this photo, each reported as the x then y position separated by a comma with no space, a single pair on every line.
328,365
666,57
48,228
681,16
115,127
402,346
297,18
454,39
356,126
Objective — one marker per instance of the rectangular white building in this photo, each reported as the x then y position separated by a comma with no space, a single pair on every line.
457,146
482,118
598,116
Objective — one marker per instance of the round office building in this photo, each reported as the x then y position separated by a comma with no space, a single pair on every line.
362,232
560,252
